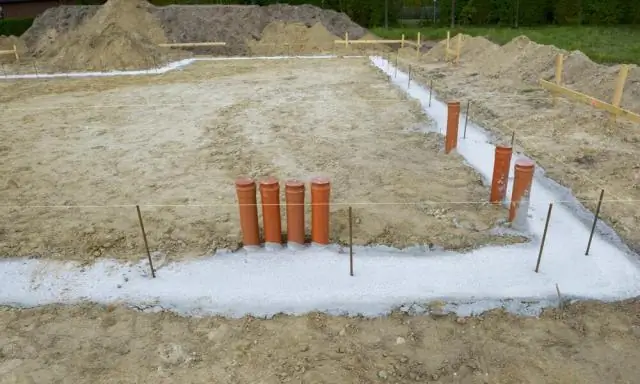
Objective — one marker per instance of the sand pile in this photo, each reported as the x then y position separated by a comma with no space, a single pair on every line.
525,61
582,74
122,34
233,24
281,38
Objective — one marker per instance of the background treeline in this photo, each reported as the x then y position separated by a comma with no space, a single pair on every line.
371,13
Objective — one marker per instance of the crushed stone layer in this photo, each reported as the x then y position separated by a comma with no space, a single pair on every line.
587,342
171,140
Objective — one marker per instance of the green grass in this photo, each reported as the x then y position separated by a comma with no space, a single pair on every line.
601,44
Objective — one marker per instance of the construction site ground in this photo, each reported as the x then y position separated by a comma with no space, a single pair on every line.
578,146
175,143
584,343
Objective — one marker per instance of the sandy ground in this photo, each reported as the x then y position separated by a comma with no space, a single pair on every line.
584,343
181,139
578,146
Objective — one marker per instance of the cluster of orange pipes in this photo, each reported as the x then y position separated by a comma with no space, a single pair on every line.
523,169
271,220
522,180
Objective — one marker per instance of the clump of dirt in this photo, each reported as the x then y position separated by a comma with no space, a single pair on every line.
123,34
281,38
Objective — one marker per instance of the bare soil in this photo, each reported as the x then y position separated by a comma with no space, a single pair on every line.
578,146
175,143
586,343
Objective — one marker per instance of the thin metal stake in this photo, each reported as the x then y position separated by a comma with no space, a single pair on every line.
466,120
430,90
513,138
409,83
146,244
595,221
544,236
350,242
395,74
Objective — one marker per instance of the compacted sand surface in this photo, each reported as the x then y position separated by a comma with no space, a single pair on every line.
79,154
590,343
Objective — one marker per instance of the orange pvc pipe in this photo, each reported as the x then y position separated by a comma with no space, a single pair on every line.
501,165
522,180
320,196
294,192
453,116
270,196
246,191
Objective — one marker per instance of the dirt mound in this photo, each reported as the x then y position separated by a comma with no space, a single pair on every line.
55,22
233,24
281,38
122,34
582,74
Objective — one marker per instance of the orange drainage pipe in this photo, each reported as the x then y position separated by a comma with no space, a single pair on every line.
453,116
320,196
522,180
501,165
272,225
246,191
294,192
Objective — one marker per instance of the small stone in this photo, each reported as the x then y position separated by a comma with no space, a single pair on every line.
119,285
341,350
342,332
304,348
461,320
383,375
435,376
404,359
400,341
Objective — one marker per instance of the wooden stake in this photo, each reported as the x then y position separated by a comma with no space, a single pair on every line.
418,47
146,244
350,242
430,90
402,41
15,52
458,48
35,67
466,120
346,39
409,83
4,70
544,237
620,80
595,221
446,51
559,68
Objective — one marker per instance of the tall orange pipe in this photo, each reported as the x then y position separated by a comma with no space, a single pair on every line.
246,191
271,221
320,195
522,179
501,165
453,116
294,192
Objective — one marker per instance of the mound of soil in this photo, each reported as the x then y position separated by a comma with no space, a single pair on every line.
233,24
281,38
122,34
